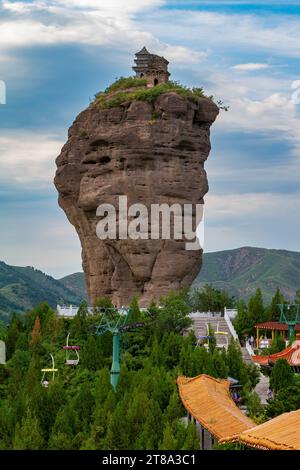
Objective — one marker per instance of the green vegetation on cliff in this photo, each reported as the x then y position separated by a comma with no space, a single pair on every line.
130,89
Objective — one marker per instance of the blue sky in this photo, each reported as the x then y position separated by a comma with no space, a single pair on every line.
56,54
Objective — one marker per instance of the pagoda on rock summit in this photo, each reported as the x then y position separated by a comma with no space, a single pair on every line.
152,67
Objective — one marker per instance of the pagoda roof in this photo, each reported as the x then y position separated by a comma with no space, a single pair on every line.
208,400
143,51
291,354
280,433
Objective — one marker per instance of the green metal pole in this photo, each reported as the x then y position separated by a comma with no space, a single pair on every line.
115,368
291,331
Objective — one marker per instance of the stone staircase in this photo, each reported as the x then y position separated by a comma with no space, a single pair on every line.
246,355
217,323
262,389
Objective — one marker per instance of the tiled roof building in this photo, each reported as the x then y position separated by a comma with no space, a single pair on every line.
280,433
209,402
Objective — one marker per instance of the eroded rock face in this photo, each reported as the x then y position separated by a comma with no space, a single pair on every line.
153,153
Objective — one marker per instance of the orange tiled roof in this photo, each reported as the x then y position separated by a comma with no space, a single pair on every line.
208,400
291,354
280,433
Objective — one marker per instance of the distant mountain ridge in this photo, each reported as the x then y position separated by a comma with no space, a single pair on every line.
22,288
240,271
75,283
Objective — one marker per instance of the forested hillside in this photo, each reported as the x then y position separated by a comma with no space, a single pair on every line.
241,271
21,288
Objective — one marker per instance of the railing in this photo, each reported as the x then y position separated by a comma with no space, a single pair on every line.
232,312
249,349
205,314
230,326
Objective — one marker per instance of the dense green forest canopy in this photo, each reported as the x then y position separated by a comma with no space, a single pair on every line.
80,409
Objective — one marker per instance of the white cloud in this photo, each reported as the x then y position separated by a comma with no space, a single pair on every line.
251,66
270,34
119,6
108,6
87,22
28,158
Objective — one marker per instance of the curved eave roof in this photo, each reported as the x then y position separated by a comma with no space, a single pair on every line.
280,433
208,400
291,354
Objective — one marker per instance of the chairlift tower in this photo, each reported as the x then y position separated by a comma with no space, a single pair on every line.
116,322
290,315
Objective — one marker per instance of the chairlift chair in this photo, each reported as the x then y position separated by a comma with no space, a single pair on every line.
70,350
44,382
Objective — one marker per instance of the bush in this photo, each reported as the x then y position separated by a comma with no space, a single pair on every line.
287,399
83,134
254,406
123,82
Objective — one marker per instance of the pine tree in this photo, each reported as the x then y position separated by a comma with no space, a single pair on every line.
256,308
281,376
135,314
28,434
169,442
174,409
254,407
35,335
103,303
242,322
219,364
173,316
102,386
66,426
3,331
13,331
84,404
155,356
212,342
138,409
60,441
92,355
192,440
236,366
80,326
151,428
117,431
277,345
273,310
